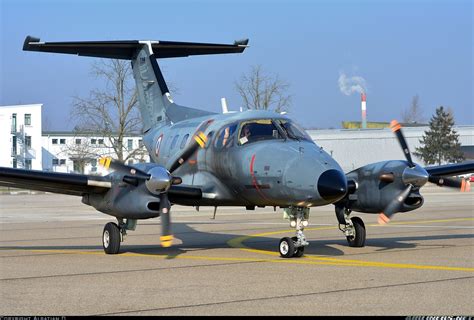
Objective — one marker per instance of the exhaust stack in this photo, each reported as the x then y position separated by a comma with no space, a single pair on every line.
363,107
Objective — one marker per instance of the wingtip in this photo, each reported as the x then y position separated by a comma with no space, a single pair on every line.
28,40
242,42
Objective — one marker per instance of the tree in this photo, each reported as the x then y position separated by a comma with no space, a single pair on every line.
80,150
262,91
110,112
414,113
440,143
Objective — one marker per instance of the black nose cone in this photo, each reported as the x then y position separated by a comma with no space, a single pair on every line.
332,185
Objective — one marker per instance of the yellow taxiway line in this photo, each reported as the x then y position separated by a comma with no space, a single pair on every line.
305,260
239,243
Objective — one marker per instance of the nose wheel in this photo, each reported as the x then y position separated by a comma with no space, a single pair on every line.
294,247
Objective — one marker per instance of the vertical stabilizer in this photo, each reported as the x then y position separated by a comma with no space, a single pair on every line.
153,93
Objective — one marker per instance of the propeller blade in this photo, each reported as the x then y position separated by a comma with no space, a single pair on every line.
166,236
108,162
458,183
397,129
394,206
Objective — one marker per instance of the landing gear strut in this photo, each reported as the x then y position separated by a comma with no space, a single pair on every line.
294,247
353,228
115,233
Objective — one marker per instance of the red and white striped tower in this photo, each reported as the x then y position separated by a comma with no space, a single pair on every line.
363,107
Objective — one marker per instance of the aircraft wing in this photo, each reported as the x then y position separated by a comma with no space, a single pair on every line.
65,183
451,169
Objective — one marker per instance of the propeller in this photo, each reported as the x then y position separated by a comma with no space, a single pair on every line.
413,176
158,179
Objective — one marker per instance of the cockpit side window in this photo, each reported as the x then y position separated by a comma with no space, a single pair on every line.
257,130
294,131
225,137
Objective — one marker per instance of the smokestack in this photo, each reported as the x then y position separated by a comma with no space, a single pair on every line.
363,107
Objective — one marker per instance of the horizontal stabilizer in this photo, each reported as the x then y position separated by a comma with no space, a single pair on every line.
128,49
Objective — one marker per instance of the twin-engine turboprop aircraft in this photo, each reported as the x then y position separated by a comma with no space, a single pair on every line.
248,159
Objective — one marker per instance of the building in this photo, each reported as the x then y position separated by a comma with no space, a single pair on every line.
66,151
354,148
20,136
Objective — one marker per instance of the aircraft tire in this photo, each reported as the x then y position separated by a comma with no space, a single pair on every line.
299,252
111,238
359,239
286,248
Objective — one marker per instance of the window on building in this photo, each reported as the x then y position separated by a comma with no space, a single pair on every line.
28,164
101,141
130,144
94,162
78,141
28,141
62,141
140,143
55,162
14,146
13,123
15,165
55,141
62,161
93,141
27,119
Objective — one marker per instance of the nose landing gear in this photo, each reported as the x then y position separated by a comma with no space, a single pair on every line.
294,247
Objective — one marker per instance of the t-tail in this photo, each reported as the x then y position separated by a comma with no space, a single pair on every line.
155,103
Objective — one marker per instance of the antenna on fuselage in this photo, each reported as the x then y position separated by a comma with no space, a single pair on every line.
224,106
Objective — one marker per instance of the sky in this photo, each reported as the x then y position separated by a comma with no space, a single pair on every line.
398,48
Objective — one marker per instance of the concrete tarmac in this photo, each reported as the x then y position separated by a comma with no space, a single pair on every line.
52,262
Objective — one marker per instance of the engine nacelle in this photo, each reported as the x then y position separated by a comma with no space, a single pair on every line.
125,200
378,184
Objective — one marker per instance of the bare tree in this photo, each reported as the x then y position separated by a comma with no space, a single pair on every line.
80,150
414,113
110,112
262,91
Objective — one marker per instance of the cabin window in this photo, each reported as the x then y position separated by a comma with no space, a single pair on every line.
294,131
226,136
183,142
257,130
175,140
209,138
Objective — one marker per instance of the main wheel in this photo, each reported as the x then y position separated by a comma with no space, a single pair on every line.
287,248
111,238
358,239
299,251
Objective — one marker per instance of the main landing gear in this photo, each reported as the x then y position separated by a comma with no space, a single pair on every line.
353,228
294,247
115,233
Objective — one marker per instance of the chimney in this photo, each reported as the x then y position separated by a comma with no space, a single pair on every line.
363,107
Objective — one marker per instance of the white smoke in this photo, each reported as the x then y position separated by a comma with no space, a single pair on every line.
350,85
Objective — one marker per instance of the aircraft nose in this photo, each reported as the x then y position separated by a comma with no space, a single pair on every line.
332,185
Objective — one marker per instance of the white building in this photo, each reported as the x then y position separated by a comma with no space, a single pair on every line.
354,148
66,151
20,136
